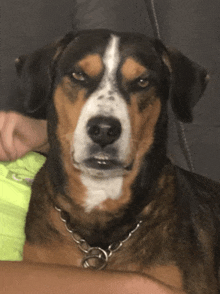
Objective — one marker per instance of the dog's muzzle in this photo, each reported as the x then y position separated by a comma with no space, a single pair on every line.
102,153
102,138
103,131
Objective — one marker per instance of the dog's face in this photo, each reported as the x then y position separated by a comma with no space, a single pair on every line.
109,91
108,100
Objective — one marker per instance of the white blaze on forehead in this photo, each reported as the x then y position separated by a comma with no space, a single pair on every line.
111,57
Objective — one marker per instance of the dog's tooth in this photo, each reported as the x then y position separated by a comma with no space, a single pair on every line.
102,162
101,157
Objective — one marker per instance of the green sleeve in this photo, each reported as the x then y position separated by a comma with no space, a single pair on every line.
15,190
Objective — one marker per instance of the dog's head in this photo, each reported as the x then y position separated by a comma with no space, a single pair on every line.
107,92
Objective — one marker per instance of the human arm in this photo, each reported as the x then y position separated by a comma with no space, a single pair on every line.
20,277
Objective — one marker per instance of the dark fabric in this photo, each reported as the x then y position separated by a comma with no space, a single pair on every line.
191,26
27,25
124,16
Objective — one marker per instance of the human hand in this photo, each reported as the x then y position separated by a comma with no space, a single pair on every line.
20,134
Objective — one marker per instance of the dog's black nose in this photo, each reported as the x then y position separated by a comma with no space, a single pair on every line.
104,130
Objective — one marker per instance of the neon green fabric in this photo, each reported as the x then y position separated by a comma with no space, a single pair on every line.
15,190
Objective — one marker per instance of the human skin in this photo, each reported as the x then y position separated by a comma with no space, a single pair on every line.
21,277
20,134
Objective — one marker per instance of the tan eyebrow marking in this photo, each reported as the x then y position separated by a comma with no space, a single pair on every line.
131,69
92,64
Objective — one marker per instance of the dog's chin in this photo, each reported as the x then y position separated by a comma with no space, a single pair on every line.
102,168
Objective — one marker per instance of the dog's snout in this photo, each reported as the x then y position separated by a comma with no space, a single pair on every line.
104,130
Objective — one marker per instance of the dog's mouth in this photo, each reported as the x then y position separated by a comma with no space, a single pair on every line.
103,161
103,164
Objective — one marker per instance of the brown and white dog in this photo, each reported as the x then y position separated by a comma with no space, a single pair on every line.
124,205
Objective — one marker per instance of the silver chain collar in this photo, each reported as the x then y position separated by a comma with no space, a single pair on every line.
94,257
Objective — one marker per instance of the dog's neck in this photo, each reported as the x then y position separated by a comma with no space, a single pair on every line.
100,227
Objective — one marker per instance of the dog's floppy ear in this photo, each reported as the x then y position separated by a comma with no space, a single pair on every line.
35,76
188,81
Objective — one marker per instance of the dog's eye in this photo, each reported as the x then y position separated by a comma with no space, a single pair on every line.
79,76
143,82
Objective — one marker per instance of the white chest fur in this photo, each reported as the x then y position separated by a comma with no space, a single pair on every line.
99,190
